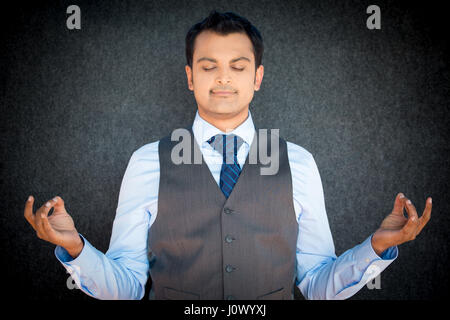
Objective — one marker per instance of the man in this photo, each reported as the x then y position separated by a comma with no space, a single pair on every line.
221,229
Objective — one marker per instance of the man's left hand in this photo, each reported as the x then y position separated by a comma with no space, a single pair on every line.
396,229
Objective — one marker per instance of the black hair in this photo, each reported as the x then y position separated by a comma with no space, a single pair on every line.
224,24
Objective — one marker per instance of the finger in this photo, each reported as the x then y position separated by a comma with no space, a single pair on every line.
423,220
399,204
43,210
410,228
49,231
411,210
28,211
59,205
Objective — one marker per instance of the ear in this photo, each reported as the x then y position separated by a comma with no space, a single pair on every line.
258,77
190,79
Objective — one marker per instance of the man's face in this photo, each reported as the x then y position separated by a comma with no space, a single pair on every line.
223,74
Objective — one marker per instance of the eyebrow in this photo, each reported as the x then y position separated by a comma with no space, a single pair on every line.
214,60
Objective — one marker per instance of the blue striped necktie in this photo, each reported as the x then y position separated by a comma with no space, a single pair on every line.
227,146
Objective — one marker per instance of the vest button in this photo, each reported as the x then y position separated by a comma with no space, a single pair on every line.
228,211
229,268
229,239
230,298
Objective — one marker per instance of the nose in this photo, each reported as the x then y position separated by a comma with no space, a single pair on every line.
223,78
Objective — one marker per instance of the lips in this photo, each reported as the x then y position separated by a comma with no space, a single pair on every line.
224,93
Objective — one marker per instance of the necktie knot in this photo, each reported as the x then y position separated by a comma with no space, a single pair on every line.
227,146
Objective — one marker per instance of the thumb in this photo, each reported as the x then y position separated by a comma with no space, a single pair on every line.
52,235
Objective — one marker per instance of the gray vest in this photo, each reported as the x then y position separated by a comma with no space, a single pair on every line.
205,246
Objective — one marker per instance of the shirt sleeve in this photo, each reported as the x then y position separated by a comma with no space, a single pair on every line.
320,273
122,272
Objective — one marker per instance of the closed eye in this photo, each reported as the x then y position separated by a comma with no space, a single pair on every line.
238,69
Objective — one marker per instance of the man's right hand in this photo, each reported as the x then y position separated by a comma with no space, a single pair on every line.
58,228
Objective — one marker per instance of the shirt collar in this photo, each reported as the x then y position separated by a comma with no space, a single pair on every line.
203,130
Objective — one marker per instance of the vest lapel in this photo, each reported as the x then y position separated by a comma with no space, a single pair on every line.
204,167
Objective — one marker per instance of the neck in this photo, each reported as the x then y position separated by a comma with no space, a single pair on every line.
224,122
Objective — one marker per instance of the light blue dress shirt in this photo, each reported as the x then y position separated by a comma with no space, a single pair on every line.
122,272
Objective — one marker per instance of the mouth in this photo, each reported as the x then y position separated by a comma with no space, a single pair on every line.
223,93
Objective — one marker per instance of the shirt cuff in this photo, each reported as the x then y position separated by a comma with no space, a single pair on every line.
83,263
82,267
64,257
365,255
369,263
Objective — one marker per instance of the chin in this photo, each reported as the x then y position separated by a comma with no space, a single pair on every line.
223,109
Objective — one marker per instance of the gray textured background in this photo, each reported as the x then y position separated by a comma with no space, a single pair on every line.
370,105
